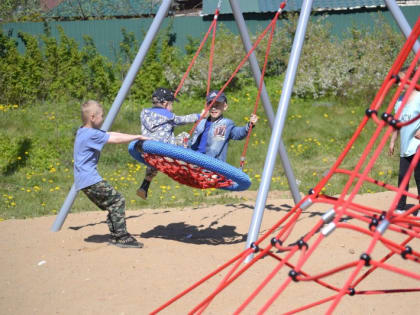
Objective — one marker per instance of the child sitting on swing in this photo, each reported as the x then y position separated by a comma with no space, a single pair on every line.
158,123
213,134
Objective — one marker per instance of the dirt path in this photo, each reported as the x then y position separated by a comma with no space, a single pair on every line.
75,271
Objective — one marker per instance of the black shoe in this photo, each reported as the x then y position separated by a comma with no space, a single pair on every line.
126,241
142,191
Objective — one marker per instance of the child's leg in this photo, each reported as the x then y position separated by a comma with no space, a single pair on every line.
107,198
417,178
404,164
144,188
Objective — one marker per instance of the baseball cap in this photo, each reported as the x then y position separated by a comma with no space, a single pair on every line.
211,96
163,94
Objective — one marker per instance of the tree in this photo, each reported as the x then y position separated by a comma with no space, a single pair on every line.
20,10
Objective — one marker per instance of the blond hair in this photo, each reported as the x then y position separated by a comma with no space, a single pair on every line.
88,108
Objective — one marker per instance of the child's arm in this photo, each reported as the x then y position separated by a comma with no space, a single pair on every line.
239,133
392,142
187,119
118,137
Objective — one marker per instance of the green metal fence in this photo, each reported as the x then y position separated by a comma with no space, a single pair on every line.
107,35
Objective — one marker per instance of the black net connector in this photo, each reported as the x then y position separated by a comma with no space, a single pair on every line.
393,122
352,291
294,274
255,247
369,112
366,258
373,223
275,241
302,243
396,77
311,191
383,216
387,117
407,250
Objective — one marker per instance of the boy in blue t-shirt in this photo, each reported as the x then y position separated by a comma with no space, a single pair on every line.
87,147
409,140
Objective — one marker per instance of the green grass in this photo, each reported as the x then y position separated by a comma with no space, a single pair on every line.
37,148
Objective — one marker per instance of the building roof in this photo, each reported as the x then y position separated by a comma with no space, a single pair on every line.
263,6
100,8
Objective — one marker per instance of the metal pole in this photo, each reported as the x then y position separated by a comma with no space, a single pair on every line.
279,123
401,21
240,22
122,93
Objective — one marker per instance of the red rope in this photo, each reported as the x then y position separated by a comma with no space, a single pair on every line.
211,57
267,52
262,35
211,28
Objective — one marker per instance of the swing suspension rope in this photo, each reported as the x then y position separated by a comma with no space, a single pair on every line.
201,173
271,26
212,29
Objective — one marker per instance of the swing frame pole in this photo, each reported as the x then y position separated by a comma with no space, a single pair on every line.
122,93
270,160
401,21
240,22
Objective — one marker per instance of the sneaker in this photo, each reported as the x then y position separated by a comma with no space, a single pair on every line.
399,211
127,241
142,193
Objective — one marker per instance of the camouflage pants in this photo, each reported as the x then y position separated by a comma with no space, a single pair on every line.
107,198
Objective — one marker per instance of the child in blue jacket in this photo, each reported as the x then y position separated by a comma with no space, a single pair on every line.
213,134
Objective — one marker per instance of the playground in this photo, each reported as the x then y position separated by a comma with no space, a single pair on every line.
77,272
195,258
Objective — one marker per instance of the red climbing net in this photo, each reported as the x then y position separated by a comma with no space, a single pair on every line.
387,238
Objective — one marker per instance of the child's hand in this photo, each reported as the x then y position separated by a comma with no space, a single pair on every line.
253,119
140,137
417,134
391,149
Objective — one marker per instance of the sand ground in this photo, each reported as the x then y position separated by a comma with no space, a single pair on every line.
75,271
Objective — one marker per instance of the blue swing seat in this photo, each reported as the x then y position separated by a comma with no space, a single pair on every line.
189,167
